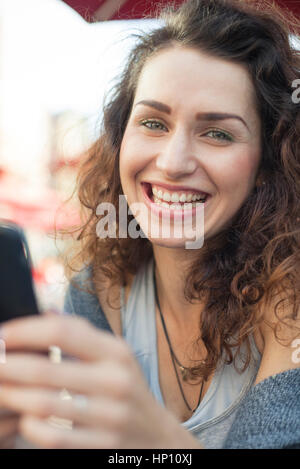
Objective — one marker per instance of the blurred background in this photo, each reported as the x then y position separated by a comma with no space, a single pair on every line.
54,70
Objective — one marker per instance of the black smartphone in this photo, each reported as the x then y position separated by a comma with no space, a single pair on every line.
17,296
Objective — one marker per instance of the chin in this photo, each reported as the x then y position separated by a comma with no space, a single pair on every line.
168,243
176,243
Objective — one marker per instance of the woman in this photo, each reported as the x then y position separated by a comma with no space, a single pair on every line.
204,338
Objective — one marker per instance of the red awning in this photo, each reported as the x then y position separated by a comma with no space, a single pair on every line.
101,10
44,211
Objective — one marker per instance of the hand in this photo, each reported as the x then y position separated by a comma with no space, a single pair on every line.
9,422
114,409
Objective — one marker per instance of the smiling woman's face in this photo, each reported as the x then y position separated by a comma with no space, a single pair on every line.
193,129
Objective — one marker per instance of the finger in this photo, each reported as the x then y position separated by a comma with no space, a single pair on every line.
8,427
9,442
42,434
6,413
52,312
104,413
104,378
75,336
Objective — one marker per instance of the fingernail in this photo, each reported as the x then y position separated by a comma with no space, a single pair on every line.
2,348
2,332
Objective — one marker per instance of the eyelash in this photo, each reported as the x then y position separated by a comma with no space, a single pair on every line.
228,137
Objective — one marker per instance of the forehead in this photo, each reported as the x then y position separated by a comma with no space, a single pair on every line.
188,78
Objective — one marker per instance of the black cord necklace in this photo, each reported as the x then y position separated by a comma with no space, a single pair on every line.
182,368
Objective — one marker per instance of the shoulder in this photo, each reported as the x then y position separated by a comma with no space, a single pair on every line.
281,337
269,414
79,292
81,299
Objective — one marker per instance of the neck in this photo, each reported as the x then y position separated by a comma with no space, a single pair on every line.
171,268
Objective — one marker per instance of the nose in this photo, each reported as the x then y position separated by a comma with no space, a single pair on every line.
177,159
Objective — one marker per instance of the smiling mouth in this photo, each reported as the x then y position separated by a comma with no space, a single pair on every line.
175,200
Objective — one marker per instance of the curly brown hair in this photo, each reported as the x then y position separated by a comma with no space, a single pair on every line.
257,257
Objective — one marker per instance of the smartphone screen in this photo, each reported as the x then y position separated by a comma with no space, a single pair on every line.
17,297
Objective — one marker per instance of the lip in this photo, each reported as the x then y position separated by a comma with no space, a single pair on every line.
174,214
175,188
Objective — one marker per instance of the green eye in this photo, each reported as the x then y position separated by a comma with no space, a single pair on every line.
156,124
216,134
220,135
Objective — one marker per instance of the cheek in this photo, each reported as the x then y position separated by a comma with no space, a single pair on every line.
238,174
134,155
127,160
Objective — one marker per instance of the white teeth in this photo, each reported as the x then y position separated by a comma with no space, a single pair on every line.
167,196
176,207
173,206
175,197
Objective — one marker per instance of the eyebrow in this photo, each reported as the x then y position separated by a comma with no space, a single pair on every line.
208,116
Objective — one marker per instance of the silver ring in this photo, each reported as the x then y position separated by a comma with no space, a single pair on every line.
59,422
64,395
54,354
